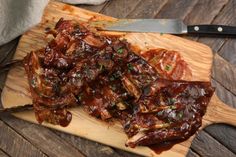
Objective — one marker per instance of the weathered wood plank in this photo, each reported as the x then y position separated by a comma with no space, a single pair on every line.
119,8
219,134
225,95
6,53
228,51
225,17
225,73
42,138
203,8
87,147
207,146
126,154
191,153
15,145
223,133
147,9
176,9
95,8
7,48
200,10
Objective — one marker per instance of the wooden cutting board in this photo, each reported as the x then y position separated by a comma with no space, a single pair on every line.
198,56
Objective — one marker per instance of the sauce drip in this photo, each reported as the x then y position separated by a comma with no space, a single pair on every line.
164,146
66,119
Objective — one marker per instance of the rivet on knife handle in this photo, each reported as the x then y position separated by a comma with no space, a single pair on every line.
212,29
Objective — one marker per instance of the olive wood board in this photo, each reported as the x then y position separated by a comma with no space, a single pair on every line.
198,56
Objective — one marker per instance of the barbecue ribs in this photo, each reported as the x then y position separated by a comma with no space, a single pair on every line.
112,81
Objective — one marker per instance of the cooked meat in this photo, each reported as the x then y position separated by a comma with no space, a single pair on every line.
101,98
168,64
105,76
167,110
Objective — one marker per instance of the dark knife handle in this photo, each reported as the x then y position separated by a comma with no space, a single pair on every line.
212,29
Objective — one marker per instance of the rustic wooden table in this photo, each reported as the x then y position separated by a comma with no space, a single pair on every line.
20,138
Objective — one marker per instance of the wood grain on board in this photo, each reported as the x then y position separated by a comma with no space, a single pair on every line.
198,56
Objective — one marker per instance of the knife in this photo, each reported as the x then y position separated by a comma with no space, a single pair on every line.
171,26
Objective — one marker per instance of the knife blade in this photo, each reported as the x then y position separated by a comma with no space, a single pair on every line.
171,26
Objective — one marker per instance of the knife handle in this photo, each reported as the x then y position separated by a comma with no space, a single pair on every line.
212,29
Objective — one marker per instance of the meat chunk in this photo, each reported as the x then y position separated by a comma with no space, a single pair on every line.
168,63
48,99
168,110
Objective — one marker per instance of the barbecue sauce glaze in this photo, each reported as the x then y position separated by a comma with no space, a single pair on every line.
108,78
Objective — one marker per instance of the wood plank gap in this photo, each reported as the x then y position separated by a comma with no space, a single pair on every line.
104,6
133,8
223,86
223,129
4,152
205,141
218,141
22,136
107,4
194,152
221,46
161,8
219,12
68,142
225,96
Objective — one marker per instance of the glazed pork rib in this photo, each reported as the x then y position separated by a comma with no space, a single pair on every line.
106,77
76,58
52,71
168,110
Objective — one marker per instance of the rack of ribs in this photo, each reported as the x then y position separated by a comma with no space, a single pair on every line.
112,81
